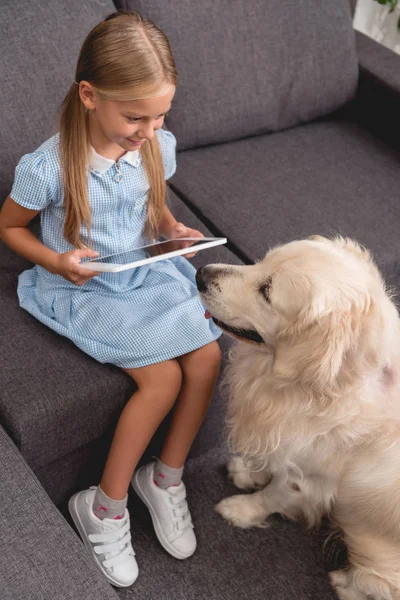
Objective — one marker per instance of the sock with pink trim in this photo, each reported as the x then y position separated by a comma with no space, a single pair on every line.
107,508
165,476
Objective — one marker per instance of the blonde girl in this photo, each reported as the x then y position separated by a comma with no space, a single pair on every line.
99,186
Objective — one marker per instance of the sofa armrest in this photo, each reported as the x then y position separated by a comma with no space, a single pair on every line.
378,97
40,556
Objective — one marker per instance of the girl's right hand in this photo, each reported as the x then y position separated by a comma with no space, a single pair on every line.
67,265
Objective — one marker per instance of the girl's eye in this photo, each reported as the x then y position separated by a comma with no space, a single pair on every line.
137,119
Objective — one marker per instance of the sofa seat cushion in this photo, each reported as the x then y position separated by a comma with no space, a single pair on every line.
327,177
40,556
54,398
247,68
10,261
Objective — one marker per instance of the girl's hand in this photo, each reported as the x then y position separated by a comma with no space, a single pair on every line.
180,230
67,265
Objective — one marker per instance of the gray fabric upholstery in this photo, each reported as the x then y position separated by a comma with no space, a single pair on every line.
378,96
281,562
39,48
65,400
329,177
353,4
40,557
380,62
10,261
247,68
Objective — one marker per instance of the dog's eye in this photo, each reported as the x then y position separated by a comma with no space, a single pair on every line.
265,289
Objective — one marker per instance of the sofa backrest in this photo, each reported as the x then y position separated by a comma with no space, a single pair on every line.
39,47
252,67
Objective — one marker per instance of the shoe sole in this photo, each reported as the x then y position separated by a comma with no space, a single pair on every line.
81,530
156,524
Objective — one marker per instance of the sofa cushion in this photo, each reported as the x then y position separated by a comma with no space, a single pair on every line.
39,48
10,261
329,177
40,556
54,398
247,68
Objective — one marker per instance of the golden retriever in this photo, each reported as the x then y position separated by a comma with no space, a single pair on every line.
314,406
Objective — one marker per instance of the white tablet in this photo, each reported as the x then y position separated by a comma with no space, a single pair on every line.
151,253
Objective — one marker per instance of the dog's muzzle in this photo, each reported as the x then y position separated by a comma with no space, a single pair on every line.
207,278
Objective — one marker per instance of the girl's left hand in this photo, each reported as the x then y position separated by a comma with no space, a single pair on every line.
180,230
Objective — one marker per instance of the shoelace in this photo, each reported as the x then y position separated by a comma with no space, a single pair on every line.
116,543
180,512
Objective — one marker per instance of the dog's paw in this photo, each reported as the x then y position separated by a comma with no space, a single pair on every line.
241,511
339,578
243,478
341,583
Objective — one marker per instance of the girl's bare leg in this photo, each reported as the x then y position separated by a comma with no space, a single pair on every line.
200,370
158,388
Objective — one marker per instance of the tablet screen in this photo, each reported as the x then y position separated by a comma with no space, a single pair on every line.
158,249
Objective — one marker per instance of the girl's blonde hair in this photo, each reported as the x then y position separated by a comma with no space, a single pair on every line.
125,57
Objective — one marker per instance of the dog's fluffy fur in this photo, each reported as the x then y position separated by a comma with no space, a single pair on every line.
314,411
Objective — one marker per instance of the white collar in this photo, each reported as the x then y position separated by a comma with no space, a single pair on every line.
100,164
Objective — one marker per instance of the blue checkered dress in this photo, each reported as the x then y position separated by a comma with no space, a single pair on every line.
131,319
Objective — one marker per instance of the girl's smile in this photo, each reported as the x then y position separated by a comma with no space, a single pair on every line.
135,143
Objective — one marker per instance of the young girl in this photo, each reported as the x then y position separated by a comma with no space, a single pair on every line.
100,188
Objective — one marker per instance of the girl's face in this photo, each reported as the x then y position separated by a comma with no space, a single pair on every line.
127,124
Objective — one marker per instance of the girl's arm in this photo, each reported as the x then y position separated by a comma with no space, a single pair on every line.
171,228
14,221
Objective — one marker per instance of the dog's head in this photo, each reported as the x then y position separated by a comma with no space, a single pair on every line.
311,303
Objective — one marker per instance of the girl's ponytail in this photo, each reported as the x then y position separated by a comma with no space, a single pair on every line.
74,154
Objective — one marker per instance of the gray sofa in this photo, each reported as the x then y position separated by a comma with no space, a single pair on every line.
287,126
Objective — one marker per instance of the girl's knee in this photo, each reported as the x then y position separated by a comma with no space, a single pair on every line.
169,378
163,378
204,361
212,355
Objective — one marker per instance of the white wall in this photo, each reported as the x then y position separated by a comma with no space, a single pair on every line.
375,21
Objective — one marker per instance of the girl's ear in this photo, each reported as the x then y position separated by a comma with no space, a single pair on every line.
87,95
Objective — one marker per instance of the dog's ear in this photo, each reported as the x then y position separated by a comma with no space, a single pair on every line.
312,353
321,346
352,246
345,243
319,238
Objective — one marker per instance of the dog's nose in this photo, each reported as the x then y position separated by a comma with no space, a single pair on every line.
201,279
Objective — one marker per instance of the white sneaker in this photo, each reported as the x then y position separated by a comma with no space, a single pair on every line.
169,512
109,540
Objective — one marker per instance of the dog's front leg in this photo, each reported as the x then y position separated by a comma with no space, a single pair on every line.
244,478
251,510
295,500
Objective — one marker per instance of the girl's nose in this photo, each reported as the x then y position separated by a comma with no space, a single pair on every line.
147,131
